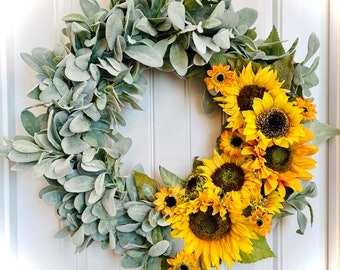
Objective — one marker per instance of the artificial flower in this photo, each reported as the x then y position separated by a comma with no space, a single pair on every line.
247,86
308,108
167,199
183,261
232,142
220,78
261,221
212,237
273,120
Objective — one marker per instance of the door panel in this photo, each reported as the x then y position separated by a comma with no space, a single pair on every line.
169,132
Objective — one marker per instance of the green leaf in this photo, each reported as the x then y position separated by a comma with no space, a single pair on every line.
114,28
140,180
79,236
179,58
19,157
276,47
145,26
313,46
145,55
222,39
24,146
30,122
89,7
73,145
81,183
285,70
261,251
302,221
108,202
247,16
159,248
208,103
80,124
169,178
138,212
176,13
53,197
322,132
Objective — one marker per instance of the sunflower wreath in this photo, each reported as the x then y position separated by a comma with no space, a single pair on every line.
226,206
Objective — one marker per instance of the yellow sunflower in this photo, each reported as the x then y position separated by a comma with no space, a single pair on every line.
228,174
213,237
274,120
261,221
295,163
168,199
270,203
308,112
220,78
282,167
183,261
232,142
247,86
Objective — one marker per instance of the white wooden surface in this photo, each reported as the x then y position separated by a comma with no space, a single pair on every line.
169,132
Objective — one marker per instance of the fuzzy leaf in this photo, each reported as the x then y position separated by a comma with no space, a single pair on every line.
176,13
30,122
322,132
169,178
80,124
79,236
89,7
179,59
81,183
159,248
313,46
19,157
145,55
138,212
208,104
114,28
109,202
73,145
53,197
24,146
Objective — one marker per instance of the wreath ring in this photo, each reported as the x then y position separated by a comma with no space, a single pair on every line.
75,144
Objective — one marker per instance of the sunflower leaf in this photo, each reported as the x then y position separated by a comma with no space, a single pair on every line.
140,180
275,47
261,251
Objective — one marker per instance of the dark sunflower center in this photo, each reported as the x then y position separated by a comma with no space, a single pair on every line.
259,222
273,123
170,201
305,109
236,142
183,266
278,158
247,94
228,177
208,227
220,78
192,184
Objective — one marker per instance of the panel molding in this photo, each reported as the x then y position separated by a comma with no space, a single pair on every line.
334,144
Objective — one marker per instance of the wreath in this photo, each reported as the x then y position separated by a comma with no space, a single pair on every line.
223,210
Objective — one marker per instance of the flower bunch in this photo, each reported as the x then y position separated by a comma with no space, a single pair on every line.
262,153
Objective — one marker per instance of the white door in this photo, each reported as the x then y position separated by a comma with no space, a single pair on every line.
172,129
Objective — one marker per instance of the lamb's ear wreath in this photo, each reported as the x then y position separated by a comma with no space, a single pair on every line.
83,89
